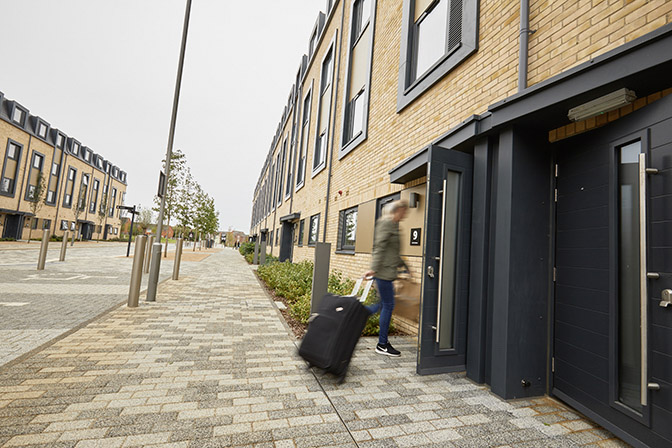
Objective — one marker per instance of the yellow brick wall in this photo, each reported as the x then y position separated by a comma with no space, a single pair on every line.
571,32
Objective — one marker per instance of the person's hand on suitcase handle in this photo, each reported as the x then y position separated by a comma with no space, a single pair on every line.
368,275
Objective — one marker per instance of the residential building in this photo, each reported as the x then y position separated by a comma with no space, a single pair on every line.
81,189
533,141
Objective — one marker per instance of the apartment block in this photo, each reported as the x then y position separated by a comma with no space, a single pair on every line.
533,140
80,190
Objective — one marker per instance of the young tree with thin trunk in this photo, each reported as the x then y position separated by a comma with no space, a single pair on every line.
100,213
35,198
178,165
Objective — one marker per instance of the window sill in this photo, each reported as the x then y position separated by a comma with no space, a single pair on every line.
318,170
352,144
345,252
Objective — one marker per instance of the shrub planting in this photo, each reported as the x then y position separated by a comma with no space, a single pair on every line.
293,282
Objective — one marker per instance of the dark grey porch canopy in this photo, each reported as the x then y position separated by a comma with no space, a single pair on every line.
290,218
412,168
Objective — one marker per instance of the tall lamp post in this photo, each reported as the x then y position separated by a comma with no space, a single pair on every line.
133,212
155,265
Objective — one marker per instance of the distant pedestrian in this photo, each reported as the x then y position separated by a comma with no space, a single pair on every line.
384,268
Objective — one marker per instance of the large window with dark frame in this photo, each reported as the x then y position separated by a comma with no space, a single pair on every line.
113,202
10,168
290,172
69,187
54,176
35,177
281,171
94,196
347,229
303,146
324,112
302,228
355,117
83,192
437,35
314,229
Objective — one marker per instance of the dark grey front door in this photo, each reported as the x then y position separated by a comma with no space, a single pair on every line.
612,339
286,241
445,278
13,225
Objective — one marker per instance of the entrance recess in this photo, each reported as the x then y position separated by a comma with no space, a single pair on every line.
612,329
13,226
443,320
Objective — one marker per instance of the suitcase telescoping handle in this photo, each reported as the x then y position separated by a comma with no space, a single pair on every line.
367,287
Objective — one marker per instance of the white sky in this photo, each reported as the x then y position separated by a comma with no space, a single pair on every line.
103,71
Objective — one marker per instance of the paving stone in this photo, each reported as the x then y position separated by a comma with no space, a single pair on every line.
211,365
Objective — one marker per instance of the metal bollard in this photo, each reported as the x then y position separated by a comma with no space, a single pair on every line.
136,273
153,283
148,253
43,251
178,259
64,246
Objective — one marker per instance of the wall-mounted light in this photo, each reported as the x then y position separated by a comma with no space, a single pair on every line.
413,200
603,104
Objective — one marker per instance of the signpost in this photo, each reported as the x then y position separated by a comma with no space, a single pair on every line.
133,212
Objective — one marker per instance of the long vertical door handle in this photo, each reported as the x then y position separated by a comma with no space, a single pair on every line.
643,292
443,231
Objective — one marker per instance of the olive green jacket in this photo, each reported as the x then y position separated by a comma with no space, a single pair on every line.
386,259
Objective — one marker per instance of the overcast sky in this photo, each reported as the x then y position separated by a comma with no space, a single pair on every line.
104,72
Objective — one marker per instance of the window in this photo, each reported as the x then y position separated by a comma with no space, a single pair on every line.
75,148
59,141
313,43
83,192
18,115
277,236
113,202
69,187
42,129
303,145
64,224
355,117
437,35
280,171
33,223
290,174
302,226
87,155
54,175
94,196
35,178
382,202
10,169
320,151
270,239
314,229
116,230
46,224
347,229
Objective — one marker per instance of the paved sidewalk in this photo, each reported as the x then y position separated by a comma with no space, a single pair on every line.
211,364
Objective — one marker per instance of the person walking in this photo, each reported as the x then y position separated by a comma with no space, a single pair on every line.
384,269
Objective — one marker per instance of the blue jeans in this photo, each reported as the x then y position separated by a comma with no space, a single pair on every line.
385,306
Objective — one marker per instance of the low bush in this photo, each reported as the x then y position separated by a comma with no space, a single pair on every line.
7,238
56,238
293,281
246,248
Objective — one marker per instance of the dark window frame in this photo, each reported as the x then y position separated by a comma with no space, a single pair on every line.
305,138
312,242
71,183
24,115
326,82
341,245
114,202
409,86
46,129
350,140
46,224
36,154
19,147
302,229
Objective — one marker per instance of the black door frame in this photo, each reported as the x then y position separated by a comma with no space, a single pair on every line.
431,360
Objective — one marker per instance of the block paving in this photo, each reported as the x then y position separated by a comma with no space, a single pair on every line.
212,364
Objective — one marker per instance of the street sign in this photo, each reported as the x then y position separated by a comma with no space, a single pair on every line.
162,184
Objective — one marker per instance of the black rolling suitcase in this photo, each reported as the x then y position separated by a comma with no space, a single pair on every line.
334,331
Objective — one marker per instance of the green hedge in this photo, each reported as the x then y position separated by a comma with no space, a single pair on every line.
246,249
293,281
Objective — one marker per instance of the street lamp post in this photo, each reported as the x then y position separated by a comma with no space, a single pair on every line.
156,249
133,212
